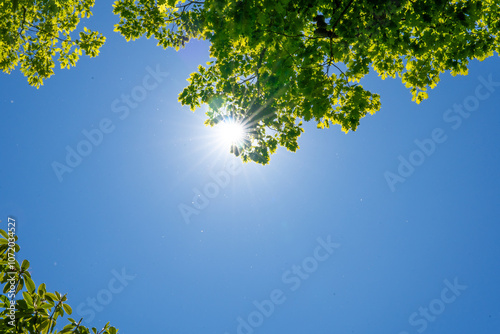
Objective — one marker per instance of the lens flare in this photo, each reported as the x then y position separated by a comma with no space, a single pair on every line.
230,132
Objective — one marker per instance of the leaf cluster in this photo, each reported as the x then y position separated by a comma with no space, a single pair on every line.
38,310
35,33
303,60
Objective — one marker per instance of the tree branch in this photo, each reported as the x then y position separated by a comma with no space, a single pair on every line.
342,14
247,79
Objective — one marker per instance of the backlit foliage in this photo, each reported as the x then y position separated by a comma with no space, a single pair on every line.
34,33
280,62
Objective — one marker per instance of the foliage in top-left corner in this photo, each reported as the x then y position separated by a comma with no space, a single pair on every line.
36,34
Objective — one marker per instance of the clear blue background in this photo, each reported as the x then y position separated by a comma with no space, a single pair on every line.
119,209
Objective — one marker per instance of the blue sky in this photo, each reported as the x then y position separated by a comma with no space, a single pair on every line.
320,239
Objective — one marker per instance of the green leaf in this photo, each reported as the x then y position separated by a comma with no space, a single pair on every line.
51,296
67,329
28,299
42,290
47,305
20,286
4,234
44,324
30,285
67,309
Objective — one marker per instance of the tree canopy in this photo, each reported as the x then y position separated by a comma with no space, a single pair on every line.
277,63
281,62
33,33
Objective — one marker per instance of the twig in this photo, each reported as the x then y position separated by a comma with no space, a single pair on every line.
342,14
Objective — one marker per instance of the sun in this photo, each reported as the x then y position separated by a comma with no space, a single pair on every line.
230,132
